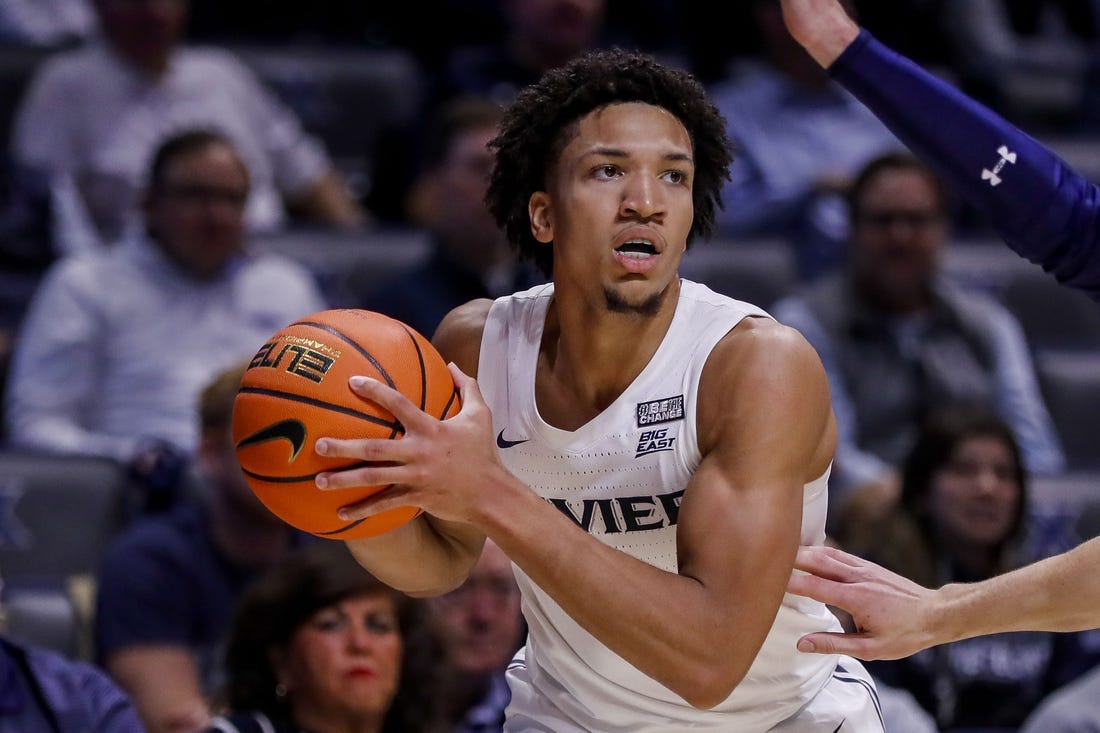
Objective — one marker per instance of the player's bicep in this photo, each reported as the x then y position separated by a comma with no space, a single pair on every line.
765,430
738,541
730,534
764,406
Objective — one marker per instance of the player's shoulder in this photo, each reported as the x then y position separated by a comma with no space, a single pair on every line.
465,320
758,347
760,376
756,333
458,336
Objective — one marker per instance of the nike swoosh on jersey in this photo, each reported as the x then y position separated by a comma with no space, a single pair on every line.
292,431
503,442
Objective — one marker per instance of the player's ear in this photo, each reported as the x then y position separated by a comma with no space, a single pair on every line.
540,213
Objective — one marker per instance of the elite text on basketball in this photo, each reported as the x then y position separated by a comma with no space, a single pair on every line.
302,360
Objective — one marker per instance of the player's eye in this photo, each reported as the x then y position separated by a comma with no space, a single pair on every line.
606,171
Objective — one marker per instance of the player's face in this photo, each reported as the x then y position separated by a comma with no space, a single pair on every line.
344,662
975,496
620,207
197,210
480,622
898,233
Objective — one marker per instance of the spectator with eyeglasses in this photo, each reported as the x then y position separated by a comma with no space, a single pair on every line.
117,344
92,116
898,340
481,627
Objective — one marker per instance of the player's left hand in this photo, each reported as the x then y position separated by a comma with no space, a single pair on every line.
443,466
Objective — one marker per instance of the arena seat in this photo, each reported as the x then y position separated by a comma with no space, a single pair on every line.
354,99
44,615
1052,315
58,513
1066,504
984,264
1070,382
348,262
1080,150
759,271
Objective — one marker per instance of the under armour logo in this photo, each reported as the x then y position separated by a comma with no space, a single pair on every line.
993,176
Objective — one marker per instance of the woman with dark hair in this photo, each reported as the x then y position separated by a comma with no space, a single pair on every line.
963,501
962,518
318,644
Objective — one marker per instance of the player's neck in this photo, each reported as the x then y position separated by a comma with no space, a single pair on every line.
586,361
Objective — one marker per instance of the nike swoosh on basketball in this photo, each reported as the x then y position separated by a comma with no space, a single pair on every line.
293,431
503,442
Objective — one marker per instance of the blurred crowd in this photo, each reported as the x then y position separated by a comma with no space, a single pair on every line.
182,178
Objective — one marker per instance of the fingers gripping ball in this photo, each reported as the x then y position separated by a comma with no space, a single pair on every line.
296,390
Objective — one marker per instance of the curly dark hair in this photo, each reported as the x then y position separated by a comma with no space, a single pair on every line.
539,123
275,606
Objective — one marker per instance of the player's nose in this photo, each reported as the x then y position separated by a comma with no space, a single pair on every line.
642,197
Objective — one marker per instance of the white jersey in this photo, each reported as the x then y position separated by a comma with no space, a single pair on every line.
621,477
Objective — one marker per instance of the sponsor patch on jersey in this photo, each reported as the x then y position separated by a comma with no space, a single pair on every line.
654,441
659,411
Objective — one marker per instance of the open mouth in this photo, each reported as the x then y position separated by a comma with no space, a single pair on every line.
637,249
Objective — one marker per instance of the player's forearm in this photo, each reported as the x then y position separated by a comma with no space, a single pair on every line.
669,626
1060,593
424,557
1044,210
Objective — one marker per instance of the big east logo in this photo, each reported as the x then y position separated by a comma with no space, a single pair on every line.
654,441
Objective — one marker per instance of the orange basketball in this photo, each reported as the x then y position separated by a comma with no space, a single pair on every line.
295,391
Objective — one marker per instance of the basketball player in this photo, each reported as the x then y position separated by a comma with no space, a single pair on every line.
648,453
1048,214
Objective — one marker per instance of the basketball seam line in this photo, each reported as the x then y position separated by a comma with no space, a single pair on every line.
393,425
353,344
423,370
